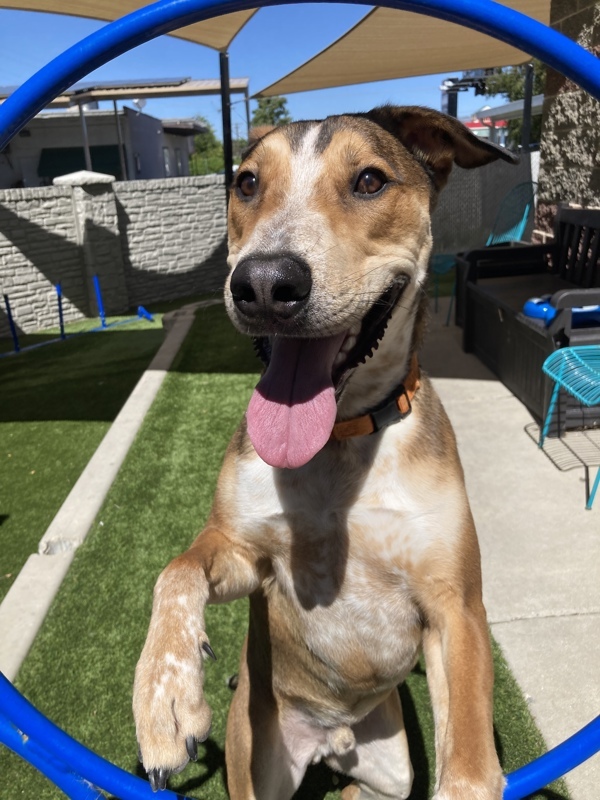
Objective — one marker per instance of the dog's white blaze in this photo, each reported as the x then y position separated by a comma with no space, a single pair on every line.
293,227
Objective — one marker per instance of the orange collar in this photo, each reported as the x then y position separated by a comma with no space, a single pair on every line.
394,408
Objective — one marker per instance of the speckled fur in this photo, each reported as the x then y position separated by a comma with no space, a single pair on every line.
368,553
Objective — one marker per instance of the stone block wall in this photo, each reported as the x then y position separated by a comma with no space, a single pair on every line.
156,240
173,237
39,247
147,241
570,167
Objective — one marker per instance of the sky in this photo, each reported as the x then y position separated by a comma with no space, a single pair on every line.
274,42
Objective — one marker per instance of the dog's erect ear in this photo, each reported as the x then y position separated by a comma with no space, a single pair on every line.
254,136
258,133
437,140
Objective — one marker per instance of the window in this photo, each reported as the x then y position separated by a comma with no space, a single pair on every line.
178,161
167,162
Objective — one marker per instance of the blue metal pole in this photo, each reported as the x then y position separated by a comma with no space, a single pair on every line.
99,302
166,16
61,319
11,324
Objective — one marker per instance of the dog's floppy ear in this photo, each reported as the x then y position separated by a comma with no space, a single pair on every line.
437,140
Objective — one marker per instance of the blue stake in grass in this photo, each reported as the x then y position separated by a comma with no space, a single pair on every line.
61,319
99,302
11,324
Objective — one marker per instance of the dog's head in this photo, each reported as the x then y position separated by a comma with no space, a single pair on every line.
329,238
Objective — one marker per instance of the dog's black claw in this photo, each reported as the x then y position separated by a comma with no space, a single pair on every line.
140,759
191,745
208,650
233,682
158,779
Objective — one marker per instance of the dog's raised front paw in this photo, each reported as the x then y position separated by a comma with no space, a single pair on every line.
171,714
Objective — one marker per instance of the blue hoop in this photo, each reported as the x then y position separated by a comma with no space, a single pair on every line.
163,17
64,760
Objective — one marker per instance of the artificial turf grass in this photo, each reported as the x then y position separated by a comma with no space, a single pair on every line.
80,669
57,404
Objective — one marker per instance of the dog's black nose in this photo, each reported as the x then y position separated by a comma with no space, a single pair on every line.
271,287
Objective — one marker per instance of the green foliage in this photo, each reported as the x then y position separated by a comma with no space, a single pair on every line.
510,82
207,157
271,111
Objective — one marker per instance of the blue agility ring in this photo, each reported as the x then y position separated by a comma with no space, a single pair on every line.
75,769
166,16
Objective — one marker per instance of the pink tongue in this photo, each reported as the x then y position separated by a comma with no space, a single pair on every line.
292,410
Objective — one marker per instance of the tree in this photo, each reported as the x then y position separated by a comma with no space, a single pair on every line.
271,111
510,82
208,151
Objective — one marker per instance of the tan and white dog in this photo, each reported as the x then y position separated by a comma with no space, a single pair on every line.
341,507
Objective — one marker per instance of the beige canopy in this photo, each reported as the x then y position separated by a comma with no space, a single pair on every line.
388,43
216,33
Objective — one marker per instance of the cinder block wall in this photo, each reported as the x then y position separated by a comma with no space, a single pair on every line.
147,241
39,247
173,237
156,240
569,167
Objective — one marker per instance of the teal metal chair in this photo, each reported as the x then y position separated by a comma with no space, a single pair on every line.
509,226
577,371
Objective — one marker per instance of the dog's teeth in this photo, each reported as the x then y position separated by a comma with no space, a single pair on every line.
349,343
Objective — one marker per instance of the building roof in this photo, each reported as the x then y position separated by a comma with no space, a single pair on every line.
180,126
88,91
512,110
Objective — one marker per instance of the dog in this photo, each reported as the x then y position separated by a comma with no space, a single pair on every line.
341,508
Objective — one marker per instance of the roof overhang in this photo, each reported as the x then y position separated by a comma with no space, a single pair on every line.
512,110
177,87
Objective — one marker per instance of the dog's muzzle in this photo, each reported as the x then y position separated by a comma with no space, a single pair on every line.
270,289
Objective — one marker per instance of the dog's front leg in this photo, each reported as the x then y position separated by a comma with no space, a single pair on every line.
460,677
171,714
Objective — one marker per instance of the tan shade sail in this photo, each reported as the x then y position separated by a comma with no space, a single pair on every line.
216,33
388,43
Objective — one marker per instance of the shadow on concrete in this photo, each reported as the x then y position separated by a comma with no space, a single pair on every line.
442,354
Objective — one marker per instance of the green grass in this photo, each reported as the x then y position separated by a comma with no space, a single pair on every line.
80,669
58,401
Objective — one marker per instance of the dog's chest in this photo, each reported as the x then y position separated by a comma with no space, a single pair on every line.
343,552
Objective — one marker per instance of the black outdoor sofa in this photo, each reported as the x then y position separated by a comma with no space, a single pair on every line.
493,285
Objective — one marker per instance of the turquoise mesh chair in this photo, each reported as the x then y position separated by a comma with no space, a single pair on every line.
577,371
509,226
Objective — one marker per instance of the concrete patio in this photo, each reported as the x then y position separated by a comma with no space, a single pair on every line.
540,547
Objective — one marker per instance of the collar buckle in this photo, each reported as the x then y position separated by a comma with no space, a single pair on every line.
389,411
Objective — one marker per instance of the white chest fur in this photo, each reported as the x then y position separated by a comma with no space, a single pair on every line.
345,534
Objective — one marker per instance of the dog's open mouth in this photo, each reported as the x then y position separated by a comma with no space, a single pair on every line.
293,408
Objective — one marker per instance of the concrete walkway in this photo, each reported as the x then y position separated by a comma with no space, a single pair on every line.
540,548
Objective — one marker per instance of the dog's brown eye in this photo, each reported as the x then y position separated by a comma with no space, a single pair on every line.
247,184
370,181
